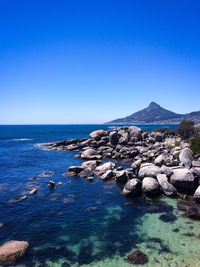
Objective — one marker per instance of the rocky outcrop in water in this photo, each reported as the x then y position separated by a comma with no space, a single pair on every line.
12,250
159,163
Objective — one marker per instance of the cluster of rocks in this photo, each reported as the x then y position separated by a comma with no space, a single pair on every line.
159,163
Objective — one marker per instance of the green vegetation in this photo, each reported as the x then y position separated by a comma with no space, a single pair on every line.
186,129
195,144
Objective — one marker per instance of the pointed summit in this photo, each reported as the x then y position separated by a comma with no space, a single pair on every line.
154,105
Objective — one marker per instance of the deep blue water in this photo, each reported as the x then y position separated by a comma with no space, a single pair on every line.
78,221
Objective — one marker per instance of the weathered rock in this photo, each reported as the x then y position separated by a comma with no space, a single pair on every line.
76,169
150,186
186,157
183,180
17,199
149,171
90,163
120,176
137,257
97,134
167,188
51,184
12,250
123,140
103,168
196,195
90,154
159,161
166,170
46,174
113,138
87,172
70,174
33,191
90,179
132,188
196,163
107,175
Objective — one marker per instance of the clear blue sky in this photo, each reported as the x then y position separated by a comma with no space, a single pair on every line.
93,61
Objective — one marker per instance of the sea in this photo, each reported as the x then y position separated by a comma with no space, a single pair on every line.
78,223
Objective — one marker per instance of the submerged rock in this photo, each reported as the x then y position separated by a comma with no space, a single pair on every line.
33,191
137,257
168,217
46,174
18,199
51,184
76,169
12,250
132,188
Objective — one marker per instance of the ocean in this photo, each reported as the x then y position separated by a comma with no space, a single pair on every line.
80,223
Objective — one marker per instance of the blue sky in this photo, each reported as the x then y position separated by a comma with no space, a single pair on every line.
93,61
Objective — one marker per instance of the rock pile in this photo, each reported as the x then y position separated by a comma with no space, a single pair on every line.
159,163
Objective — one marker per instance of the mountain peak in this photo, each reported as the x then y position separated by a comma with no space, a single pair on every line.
153,105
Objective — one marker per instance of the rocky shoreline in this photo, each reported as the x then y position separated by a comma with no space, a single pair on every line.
159,163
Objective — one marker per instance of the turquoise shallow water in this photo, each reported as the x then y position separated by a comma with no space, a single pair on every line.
81,223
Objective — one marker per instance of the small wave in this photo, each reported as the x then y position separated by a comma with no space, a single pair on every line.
40,146
21,139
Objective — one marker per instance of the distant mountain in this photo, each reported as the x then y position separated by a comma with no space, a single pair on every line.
154,113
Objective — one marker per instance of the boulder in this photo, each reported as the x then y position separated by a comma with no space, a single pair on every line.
90,154
160,160
123,140
12,250
113,138
186,157
196,195
167,188
107,175
89,164
149,171
103,168
120,176
97,134
87,172
183,180
132,188
51,184
166,170
76,169
150,186
196,163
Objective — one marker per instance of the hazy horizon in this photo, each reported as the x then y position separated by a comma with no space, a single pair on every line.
89,62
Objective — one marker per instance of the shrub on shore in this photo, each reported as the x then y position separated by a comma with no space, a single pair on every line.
195,144
186,129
